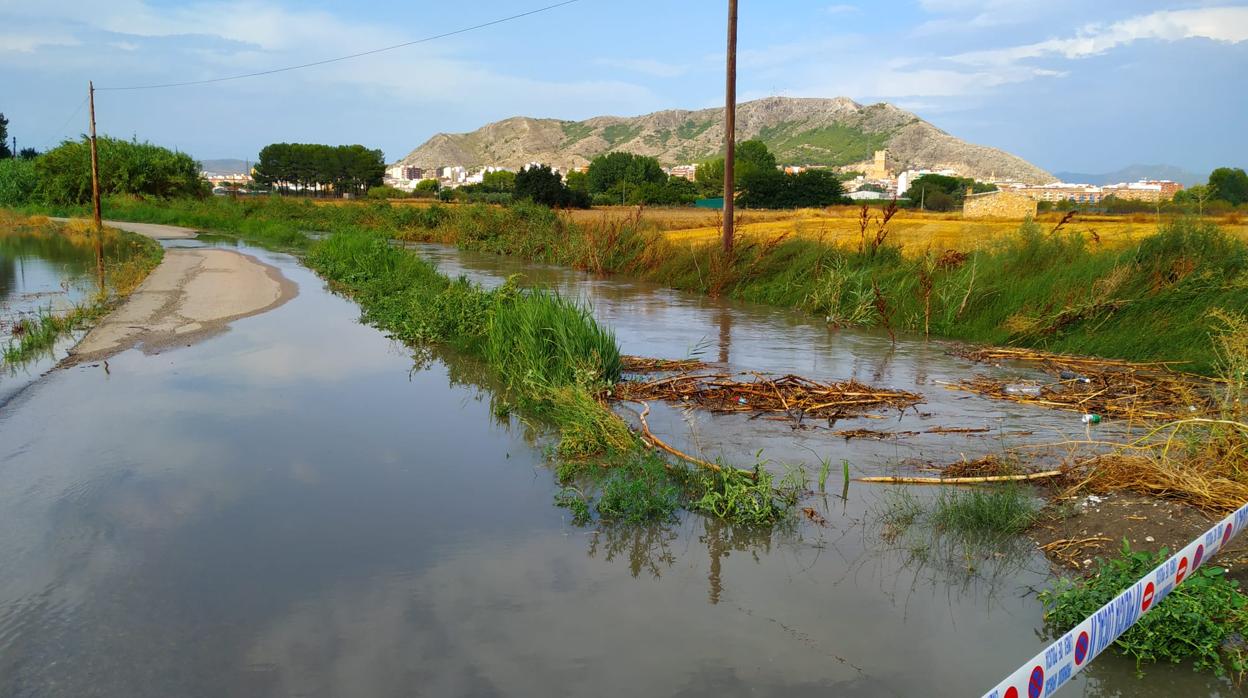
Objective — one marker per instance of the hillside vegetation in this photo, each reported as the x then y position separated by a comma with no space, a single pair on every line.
833,132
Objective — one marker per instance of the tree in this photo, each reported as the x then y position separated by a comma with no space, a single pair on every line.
544,186
28,154
774,189
310,167
948,192
577,181
5,151
752,157
500,181
1198,195
608,172
1229,184
428,185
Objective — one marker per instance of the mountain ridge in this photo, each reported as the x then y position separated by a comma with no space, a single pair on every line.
1133,173
835,132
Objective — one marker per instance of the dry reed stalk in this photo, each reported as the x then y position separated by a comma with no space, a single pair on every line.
960,480
792,395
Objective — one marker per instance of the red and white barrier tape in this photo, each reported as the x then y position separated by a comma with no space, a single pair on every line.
1052,668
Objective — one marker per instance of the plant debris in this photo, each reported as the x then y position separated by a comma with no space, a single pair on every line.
798,397
642,364
1120,389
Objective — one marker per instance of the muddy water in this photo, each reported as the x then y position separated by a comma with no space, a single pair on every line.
295,508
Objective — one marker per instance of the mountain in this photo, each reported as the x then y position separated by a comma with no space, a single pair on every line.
226,166
1134,173
835,132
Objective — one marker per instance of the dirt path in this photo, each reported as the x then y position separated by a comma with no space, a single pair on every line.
193,294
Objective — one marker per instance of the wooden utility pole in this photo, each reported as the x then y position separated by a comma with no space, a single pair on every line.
730,127
95,192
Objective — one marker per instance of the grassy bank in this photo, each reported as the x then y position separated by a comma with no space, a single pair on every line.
554,362
1152,300
128,259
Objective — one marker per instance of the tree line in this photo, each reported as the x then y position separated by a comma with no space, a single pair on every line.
320,169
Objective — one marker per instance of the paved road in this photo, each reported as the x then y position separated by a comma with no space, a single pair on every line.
151,230
192,294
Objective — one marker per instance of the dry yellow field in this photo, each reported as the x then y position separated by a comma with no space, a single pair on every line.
914,231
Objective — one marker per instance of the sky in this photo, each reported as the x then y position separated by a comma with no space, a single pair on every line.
1070,85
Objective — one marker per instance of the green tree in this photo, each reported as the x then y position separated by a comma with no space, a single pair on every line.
5,151
428,185
344,169
544,186
126,167
608,172
775,189
1229,184
500,181
752,159
28,154
936,192
577,181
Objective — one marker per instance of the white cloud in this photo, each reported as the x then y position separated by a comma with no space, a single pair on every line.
28,43
1225,24
842,9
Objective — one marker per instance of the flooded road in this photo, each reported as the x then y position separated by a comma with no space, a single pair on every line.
39,274
293,508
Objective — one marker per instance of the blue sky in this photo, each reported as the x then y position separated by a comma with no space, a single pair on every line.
1069,85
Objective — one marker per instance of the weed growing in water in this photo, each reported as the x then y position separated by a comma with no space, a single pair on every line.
751,501
640,492
1199,620
984,513
576,503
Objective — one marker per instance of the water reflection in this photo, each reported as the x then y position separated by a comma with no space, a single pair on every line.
298,508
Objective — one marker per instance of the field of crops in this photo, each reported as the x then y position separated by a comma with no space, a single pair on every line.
914,231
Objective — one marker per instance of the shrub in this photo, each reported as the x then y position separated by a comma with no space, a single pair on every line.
1195,621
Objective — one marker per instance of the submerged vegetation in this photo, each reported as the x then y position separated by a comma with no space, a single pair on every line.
1204,619
128,259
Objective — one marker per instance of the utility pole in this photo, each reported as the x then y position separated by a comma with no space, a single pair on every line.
730,126
95,191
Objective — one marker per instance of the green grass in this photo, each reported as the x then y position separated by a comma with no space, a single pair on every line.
1204,620
36,335
984,512
1059,292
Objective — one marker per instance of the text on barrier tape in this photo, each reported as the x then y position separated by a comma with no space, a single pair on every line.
1052,668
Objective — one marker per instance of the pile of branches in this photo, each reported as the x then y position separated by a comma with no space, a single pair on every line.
642,364
1120,389
792,395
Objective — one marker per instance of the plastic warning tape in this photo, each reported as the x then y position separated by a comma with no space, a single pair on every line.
1054,667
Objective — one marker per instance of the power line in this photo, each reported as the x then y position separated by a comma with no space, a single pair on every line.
341,58
60,129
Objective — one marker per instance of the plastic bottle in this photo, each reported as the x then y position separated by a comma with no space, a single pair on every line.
1023,389
1091,419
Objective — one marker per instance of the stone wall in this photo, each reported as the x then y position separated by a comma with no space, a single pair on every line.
998,204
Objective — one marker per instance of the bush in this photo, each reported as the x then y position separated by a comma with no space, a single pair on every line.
126,167
1195,621
18,182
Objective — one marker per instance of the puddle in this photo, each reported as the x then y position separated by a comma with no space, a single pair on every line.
292,508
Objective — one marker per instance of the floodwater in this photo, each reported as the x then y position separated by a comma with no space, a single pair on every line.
298,508
39,274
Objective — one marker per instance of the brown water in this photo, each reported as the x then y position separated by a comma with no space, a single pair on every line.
294,509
